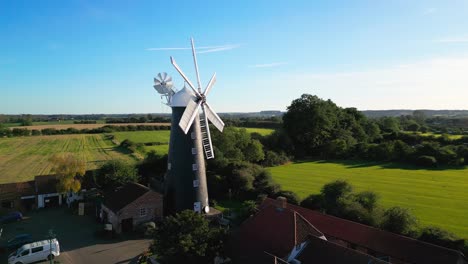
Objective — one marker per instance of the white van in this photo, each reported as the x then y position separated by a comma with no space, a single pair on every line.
37,251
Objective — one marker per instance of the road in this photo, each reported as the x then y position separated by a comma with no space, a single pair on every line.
77,237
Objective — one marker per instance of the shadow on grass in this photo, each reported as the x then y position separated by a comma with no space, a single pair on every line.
355,164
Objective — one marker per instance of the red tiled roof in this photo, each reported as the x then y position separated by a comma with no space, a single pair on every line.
322,251
272,230
397,246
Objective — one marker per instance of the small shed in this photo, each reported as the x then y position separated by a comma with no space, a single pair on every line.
131,205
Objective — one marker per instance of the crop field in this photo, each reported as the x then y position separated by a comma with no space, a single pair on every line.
22,158
436,197
428,134
261,131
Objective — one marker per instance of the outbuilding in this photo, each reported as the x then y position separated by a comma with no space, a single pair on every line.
131,205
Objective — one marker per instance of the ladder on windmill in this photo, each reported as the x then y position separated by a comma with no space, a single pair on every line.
206,138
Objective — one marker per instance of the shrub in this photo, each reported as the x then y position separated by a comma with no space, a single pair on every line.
441,237
426,161
290,196
313,201
399,220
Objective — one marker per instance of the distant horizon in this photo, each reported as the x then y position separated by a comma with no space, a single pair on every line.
282,111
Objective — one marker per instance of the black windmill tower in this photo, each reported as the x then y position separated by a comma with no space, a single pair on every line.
185,185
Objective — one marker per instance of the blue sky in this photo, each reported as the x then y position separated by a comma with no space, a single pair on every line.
98,56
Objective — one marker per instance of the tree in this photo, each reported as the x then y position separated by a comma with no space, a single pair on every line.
389,124
115,173
69,169
367,199
334,192
254,151
187,238
310,122
419,116
313,201
399,220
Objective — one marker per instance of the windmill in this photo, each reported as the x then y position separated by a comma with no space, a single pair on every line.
185,184
163,85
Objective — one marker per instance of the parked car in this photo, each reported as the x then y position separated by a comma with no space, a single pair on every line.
37,251
11,217
16,242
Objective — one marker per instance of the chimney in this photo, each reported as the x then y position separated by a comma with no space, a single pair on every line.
282,202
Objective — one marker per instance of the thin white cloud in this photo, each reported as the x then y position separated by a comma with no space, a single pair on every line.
453,40
222,48
268,65
430,10
204,49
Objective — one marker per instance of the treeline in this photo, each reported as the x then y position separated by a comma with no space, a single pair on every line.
22,132
339,199
317,128
135,119
274,122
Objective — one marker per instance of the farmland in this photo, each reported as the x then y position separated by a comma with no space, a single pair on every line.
261,131
436,197
22,158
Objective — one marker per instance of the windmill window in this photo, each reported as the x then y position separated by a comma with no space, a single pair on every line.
192,135
194,151
169,166
194,167
142,212
196,183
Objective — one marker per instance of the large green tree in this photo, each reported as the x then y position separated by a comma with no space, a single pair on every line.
310,122
187,237
115,173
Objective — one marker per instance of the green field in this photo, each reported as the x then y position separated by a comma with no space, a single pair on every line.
261,131
162,137
436,197
22,158
450,136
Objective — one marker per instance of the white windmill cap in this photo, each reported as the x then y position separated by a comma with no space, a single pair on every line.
182,97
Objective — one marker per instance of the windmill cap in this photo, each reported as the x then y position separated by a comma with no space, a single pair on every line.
182,97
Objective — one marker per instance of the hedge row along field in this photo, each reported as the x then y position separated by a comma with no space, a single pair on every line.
436,197
23,158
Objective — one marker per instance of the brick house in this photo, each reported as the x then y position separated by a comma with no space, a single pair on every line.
131,205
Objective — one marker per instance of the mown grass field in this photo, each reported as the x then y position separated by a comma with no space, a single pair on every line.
22,158
162,137
436,197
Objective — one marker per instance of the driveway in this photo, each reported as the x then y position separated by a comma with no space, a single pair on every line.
76,235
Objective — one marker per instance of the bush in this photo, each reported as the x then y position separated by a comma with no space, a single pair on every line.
399,220
426,161
290,196
441,237
313,201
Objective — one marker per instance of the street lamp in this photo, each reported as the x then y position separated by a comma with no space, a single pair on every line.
50,235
